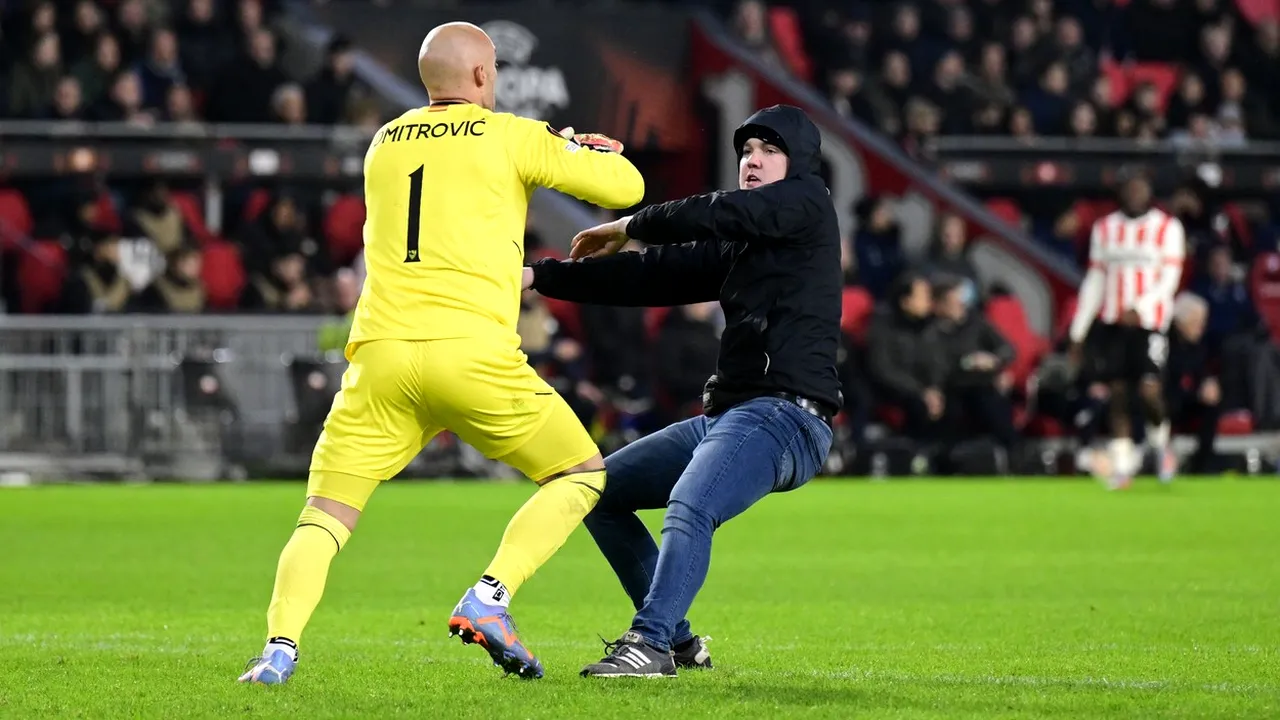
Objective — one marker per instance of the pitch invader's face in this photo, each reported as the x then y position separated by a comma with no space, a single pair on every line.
761,163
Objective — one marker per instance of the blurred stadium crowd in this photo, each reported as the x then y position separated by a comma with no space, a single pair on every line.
931,352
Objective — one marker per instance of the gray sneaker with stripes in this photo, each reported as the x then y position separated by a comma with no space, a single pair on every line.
629,656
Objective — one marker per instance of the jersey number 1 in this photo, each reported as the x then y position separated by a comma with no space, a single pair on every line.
415,214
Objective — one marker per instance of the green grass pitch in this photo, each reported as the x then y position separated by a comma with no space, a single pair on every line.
844,599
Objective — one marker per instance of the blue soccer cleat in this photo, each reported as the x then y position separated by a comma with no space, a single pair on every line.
492,628
272,669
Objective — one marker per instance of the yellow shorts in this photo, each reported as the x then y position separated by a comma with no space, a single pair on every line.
398,394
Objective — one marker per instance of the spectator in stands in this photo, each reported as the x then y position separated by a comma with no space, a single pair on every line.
1230,308
68,103
364,114
334,333
289,105
960,37
1215,56
850,364
751,25
250,19
244,88
161,69
686,351
1084,120
1259,123
1021,124
132,30
949,255
179,108
617,349
906,360
97,285
891,93
80,40
877,245
123,102
1262,66
179,289
1189,99
924,121
1027,54
32,83
1050,102
1100,98
96,72
1192,394
977,356
282,287
155,216
991,84
558,358
330,90
1080,60
203,45
848,95
905,37
950,95
278,229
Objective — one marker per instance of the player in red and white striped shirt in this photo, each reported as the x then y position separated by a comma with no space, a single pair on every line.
1136,256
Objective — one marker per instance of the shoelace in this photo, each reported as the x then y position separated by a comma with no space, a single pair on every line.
610,646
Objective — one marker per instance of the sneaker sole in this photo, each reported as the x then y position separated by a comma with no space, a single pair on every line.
505,659
645,676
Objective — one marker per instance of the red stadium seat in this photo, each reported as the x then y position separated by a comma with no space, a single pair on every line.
1007,210
1125,78
1065,314
1236,422
1257,12
108,216
15,218
653,319
568,314
856,306
1042,426
1264,282
43,268
344,229
784,24
1008,317
223,275
193,216
257,202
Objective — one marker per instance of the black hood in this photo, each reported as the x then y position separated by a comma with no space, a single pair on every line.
790,129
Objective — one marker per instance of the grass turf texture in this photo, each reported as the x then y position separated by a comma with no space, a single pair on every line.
894,600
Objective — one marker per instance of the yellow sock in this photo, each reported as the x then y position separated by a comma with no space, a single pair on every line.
303,569
542,525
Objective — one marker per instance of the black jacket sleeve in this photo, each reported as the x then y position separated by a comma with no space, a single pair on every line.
784,211
656,276
995,343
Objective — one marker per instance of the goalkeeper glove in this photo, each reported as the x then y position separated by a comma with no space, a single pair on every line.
593,141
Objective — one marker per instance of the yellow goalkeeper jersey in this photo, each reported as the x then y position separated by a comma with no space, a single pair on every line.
447,189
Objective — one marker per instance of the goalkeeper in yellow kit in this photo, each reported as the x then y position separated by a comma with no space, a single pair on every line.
433,344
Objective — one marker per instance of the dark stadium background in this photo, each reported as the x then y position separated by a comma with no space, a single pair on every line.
180,209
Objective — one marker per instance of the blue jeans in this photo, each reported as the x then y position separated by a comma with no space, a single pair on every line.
705,471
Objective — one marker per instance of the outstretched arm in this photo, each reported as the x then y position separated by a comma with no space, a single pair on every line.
777,212
657,276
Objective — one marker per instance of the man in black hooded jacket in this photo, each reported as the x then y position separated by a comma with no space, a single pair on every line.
769,252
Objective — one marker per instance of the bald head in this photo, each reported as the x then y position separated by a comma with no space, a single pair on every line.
457,62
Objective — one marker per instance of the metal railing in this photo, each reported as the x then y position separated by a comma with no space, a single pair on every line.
168,397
